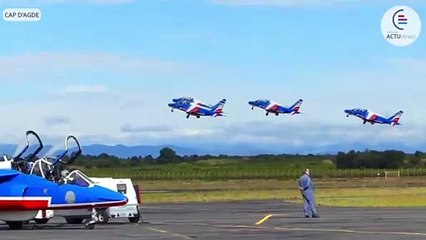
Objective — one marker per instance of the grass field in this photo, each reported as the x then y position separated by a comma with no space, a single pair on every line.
375,192
271,178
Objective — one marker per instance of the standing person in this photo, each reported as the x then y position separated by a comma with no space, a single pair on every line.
306,187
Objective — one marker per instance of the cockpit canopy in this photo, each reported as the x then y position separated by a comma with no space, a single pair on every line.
262,101
189,99
183,100
360,110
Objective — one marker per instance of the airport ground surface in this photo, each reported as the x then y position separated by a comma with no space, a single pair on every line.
237,220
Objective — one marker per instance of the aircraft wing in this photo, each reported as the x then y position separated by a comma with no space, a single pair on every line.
193,109
373,117
273,107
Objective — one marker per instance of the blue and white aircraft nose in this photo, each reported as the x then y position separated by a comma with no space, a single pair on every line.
172,104
348,111
252,102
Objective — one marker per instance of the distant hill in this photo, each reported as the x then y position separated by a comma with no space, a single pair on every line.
123,151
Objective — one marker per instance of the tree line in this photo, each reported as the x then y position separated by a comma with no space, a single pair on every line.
379,159
349,160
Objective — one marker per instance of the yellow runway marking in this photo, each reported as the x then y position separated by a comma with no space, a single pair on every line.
170,233
350,231
264,219
254,228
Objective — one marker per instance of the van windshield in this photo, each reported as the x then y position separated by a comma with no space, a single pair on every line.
80,179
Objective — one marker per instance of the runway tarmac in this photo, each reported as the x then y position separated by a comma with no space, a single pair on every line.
237,220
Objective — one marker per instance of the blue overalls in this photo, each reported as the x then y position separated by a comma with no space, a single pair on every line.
307,189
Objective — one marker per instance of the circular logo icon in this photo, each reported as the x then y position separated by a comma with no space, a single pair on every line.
70,197
401,26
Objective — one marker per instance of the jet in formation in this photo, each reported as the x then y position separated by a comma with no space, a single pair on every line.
276,108
194,107
197,108
372,117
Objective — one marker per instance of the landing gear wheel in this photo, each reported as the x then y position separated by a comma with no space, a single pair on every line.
89,224
103,217
41,220
15,224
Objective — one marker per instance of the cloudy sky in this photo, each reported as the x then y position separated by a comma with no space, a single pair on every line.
104,70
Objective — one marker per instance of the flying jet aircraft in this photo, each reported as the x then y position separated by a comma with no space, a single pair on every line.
23,195
197,110
372,117
182,100
276,108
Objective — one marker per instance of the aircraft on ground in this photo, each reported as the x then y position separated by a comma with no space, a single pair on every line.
23,195
28,185
276,108
372,117
194,109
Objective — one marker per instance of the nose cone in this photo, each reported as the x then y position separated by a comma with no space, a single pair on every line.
251,102
348,111
108,197
175,99
173,105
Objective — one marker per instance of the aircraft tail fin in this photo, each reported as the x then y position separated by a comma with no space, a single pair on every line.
296,107
395,118
218,108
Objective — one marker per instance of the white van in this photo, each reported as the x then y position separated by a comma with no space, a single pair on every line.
123,185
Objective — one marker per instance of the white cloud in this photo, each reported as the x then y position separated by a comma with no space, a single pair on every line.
56,120
129,128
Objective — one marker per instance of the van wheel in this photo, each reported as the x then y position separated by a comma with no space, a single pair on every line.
74,220
41,220
134,219
103,217
15,224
